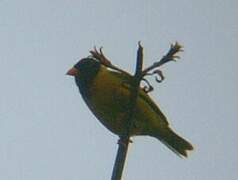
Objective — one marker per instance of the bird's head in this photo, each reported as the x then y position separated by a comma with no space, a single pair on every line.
83,67
84,71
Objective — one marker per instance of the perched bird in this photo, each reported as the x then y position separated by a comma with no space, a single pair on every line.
107,92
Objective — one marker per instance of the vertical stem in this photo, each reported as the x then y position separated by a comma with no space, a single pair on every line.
120,158
139,63
124,141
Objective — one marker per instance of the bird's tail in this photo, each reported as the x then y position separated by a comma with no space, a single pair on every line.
174,142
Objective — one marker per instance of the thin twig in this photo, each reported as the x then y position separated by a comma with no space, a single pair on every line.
104,60
170,56
125,139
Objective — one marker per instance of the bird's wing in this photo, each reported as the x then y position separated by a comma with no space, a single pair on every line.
142,94
153,105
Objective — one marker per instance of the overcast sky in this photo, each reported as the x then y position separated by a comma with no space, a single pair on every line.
48,133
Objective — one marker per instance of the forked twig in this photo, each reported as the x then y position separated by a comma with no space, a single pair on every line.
170,56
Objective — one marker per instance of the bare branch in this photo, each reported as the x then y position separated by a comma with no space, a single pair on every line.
125,139
170,56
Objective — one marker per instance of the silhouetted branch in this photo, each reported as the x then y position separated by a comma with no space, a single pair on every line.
170,56
125,139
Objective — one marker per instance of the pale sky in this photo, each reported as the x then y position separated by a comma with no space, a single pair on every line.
48,133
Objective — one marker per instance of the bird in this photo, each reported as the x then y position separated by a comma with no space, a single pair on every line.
107,94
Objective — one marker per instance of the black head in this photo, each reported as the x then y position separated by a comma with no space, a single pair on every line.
84,72
87,64
85,67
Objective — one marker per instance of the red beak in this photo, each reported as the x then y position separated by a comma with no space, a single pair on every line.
72,72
